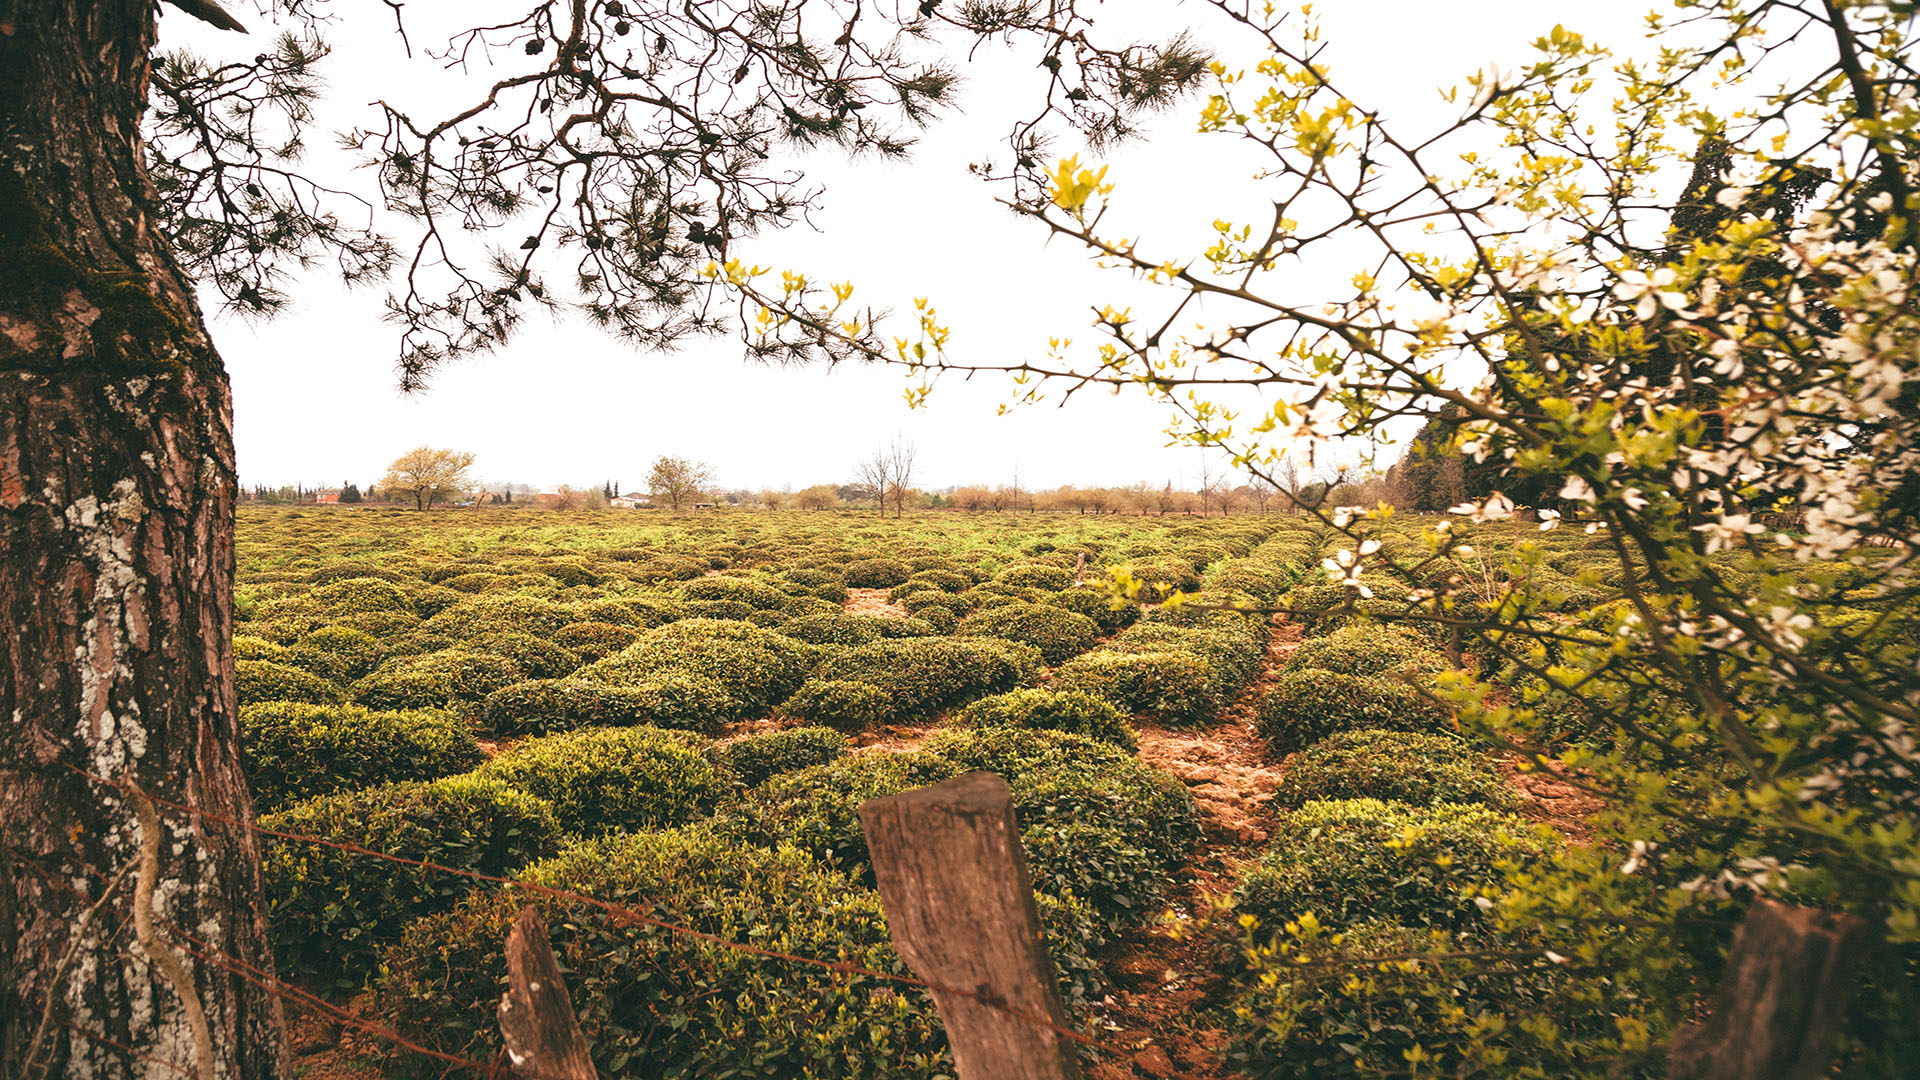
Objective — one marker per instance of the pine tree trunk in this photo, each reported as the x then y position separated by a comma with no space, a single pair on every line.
116,572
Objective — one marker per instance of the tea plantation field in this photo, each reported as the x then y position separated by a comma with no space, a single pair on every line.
684,715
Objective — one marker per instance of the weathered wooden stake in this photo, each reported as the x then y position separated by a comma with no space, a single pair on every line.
537,1024
1782,998
959,904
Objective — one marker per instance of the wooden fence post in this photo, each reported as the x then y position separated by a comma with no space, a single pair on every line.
537,1024
1782,998
953,880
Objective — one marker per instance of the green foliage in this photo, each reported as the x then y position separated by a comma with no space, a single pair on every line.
359,652
841,704
755,758
436,680
539,706
1354,860
756,595
922,676
656,1004
264,680
533,657
1366,1003
362,594
1305,706
1096,606
877,573
1396,766
1176,687
1036,576
330,910
294,750
1365,650
605,780
1053,710
753,668
591,641
849,629
1058,634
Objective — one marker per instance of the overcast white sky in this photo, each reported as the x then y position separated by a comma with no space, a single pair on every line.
315,397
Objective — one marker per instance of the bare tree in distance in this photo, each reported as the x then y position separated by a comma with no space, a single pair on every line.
900,456
817,497
678,481
872,474
430,475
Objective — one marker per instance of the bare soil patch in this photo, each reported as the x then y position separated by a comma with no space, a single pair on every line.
1566,808
872,602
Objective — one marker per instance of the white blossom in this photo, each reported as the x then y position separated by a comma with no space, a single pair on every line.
1649,294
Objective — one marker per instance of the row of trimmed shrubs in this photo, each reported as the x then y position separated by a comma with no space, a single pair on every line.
1390,835
761,844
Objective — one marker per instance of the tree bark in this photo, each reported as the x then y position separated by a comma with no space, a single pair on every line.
116,571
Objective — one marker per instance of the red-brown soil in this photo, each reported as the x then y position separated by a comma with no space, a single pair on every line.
872,602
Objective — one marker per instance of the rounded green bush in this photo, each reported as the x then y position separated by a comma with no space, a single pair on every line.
1353,860
1365,650
877,573
606,780
249,647
359,650
802,606
537,658
1438,1006
1101,830
730,610
662,1005
467,676
952,581
841,704
1035,576
1304,707
755,758
328,575
264,680
1057,633
1053,710
318,662
683,701
1177,687
849,629
591,641
921,676
539,706
649,612
1262,583
397,689
1095,606
817,808
330,910
501,613
361,594
294,750
753,668
808,577
757,595
1014,753
1165,575
1411,767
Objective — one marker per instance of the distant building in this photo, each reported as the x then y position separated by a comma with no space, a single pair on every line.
622,502
327,495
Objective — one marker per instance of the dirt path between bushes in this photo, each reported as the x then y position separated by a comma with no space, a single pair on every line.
1163,984
872,602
